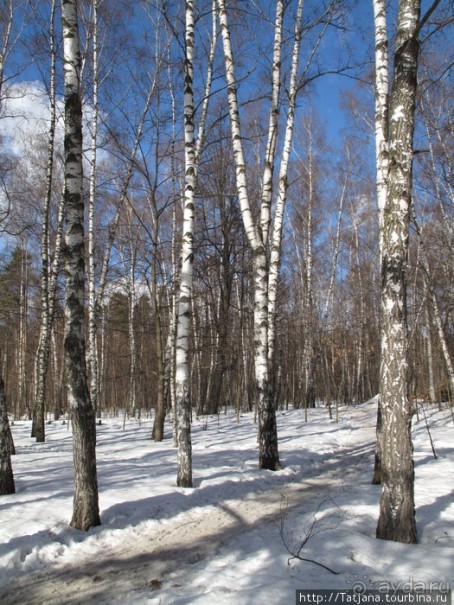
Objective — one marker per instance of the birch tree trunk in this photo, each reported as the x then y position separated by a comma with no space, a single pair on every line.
6,469
276,238
92,357
265,279
5,47
132,403
308,304
381,158
38,429
157,433
158,425
192,151
182,401
85,504
397,510
430,361
268,450
22,344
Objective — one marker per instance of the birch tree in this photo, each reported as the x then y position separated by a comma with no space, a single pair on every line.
192,150
38,430
381,156
397,510
183,403
6,469
92,357
258,231
85,504
6,22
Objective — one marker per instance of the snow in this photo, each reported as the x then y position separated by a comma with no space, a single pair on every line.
221,542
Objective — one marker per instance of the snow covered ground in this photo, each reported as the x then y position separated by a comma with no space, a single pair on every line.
222,541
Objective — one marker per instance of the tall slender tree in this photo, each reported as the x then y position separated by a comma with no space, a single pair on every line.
397,509
85,506
192,151
6,469
381,156
38,429
183,405
92,357
260,236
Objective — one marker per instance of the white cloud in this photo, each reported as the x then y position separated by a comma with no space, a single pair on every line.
25,117
25,120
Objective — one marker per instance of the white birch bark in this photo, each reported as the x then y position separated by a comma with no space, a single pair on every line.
92,320
258,235
206,95
172,337
252,233
381,106
183,402
193,149
276,241
270,151
85,505
381,158
397,515
268,452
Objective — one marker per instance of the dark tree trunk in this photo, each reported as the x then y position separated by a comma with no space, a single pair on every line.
158,425
6,447
377,477
268,443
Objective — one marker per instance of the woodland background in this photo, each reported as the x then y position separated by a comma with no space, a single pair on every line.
329,290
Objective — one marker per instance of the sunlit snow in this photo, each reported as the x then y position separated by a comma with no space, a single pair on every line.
220,542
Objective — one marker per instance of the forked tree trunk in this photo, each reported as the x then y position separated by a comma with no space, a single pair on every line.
265,245
85,504
397,509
